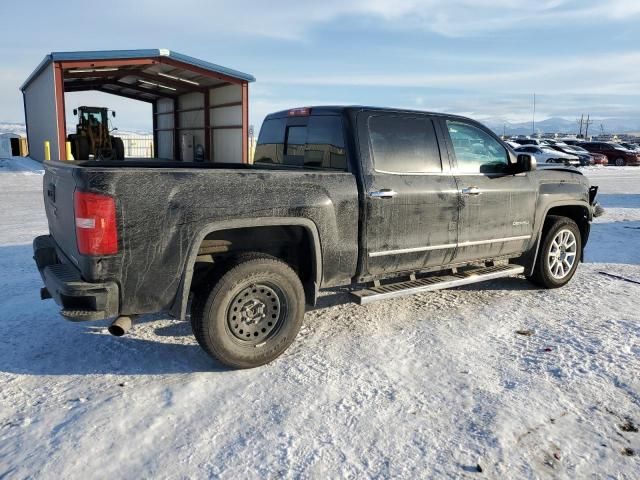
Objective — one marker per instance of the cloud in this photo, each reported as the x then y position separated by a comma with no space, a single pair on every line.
577,75
454,18
415,53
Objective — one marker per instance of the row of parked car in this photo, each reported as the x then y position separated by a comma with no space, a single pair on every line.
577,152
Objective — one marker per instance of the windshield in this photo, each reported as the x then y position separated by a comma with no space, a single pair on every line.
93,117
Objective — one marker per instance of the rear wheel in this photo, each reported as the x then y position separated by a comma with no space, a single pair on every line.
620,162
559,253
250,313
118,146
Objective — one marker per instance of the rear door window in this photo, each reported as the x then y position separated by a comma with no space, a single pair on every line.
404,144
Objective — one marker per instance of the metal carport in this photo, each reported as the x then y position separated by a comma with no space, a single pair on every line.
190,97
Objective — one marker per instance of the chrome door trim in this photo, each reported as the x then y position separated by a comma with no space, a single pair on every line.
448,245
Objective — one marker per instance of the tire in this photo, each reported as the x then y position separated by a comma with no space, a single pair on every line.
553,268
81,150
118,146
72,140
620,162
250,312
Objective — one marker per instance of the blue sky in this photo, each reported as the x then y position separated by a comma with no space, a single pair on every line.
479,58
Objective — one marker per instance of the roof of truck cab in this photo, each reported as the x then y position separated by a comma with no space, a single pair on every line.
339,109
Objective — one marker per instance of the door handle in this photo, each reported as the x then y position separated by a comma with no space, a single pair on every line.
471,191
51,192
383,193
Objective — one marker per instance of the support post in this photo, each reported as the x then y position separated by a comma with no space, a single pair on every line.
207,124
155,128
176,131
245,122
61,117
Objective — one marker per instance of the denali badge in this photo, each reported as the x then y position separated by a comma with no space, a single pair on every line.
517,223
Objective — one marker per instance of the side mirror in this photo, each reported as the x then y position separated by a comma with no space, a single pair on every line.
113,113
75,112
526,163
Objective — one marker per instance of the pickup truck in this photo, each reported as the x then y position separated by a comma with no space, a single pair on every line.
389,202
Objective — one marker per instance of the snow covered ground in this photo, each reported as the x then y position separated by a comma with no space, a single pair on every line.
519,381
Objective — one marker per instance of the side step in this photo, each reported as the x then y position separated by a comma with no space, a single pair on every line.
427,284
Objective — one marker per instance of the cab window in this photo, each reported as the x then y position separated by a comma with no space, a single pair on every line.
318,144
476,151
270,146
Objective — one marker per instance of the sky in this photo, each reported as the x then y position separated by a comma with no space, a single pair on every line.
480,58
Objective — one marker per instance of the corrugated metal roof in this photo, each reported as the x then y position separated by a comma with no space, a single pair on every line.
128,54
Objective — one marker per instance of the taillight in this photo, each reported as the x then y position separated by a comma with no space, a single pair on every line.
96,230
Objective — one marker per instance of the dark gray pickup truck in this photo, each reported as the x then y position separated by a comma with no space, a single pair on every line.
391,202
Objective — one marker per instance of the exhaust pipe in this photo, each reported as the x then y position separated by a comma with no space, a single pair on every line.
121,325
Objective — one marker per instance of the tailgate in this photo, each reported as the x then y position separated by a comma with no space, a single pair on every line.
58,189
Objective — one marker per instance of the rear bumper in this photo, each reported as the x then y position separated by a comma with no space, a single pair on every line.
79,300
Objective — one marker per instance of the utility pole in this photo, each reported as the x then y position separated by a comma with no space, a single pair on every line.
533,123
580,123
586,128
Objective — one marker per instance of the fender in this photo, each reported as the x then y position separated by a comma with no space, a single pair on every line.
538,235
179,307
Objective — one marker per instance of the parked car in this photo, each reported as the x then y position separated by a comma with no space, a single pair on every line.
596,158
631,146
512,144
546,154
337,196
616,154
528,141
573,141
584,157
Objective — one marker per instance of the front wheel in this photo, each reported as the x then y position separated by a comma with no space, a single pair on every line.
559,253
620,162
118,146
251,313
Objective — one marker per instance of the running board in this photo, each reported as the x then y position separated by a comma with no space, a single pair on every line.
427,284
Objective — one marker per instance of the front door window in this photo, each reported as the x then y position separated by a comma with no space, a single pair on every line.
476,151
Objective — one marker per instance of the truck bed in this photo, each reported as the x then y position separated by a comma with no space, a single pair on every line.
165,210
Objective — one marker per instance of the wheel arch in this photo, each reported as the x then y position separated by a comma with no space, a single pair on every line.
579,212
179,307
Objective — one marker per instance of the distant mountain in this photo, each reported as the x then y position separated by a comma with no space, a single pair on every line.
562,125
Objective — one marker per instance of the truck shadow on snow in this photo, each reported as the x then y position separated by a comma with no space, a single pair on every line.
38,341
